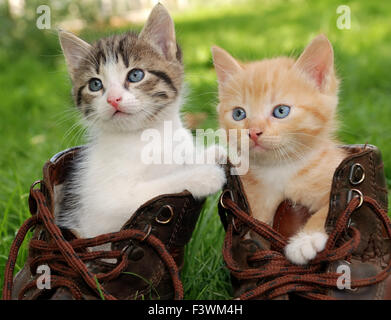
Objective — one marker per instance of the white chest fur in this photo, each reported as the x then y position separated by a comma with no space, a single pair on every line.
114,182
270,190
113,179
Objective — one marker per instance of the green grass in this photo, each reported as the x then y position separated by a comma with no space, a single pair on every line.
37,116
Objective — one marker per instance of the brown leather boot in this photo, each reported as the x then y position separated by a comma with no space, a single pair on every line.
239,250
148,250
359,239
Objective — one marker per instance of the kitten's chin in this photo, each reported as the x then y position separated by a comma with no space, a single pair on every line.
121,114
264,155
119,123
259,147
260,151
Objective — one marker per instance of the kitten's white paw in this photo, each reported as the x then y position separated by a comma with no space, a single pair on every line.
205,180
304,246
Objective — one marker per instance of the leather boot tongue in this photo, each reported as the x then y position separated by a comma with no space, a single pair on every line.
290,218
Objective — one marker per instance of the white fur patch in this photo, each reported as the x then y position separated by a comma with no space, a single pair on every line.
304,246
112,182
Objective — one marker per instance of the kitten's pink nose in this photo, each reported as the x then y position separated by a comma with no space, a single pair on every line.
254,134
114,101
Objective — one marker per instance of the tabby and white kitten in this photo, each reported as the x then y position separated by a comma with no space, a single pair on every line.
289,110
122,85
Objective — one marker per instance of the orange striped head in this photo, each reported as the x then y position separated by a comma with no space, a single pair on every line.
287,106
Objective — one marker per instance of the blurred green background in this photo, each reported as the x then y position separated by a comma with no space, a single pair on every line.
37,117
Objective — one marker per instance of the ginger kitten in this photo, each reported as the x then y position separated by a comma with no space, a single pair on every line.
123,85
289,109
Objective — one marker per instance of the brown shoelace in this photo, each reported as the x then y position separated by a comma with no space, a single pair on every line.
68,258
278,276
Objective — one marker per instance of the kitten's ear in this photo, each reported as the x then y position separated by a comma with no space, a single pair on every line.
159,29
317,61
225,65
74,49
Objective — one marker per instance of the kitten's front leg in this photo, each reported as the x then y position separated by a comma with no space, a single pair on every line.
204,180
199,180
305,245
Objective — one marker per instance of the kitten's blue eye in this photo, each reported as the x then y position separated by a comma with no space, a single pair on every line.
281,111
238,114
95,84
135,75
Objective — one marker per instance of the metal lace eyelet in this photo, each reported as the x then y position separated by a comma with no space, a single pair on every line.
222,196
35,183
236,228
354,170
127,249
136,254
148,232
41,234
350,196
161,221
